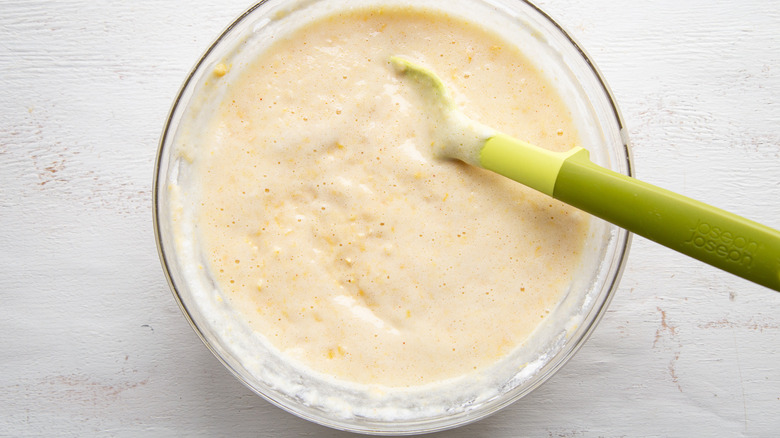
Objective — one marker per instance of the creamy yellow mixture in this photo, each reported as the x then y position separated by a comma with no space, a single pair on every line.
332,228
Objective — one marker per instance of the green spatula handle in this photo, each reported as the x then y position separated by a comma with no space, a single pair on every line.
722,239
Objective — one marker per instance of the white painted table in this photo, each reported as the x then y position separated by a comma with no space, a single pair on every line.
92,342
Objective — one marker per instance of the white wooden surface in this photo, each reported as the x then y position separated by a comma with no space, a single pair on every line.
92,343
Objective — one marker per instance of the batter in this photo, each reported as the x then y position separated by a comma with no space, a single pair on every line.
330,225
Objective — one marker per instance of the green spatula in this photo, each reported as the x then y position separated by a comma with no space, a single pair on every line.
722,239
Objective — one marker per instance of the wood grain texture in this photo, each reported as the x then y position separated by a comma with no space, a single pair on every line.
93,343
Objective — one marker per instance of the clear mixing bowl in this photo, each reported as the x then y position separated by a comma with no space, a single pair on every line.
337,404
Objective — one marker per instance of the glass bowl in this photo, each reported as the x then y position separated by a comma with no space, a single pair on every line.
338,404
